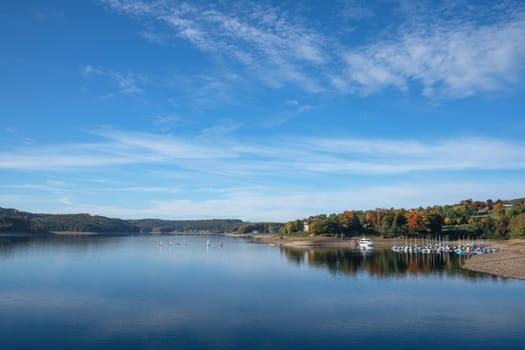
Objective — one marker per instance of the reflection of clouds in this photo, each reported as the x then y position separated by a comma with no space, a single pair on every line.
101,317
95,318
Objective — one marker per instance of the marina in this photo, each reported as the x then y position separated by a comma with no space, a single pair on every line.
465,247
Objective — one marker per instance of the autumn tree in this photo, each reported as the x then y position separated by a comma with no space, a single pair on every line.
373,218
418,222
350,222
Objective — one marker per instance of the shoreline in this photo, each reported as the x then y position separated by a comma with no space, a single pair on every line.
508,262
312,241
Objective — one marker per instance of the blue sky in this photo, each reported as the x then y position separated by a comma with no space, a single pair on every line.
259,110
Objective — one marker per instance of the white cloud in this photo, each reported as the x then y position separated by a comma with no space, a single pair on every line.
210,152
126,83
280,204
167,122
219,132
448,60
355,10
293,110
446,56
401,156
146,147
278,178
266,42
88,70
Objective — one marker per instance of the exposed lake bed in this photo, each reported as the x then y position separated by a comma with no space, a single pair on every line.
508,262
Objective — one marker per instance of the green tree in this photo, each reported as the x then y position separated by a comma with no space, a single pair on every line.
350,222
399,223
517,226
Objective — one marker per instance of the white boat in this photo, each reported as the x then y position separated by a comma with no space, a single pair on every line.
366,243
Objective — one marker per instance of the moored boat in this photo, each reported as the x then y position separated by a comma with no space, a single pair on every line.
366,243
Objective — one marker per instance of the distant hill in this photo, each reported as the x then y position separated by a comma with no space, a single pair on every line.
12,220
170,226
213,226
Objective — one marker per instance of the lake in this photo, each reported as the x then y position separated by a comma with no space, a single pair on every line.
92,292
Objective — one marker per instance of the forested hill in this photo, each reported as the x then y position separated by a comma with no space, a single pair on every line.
12,220
208,225
498,219
171,226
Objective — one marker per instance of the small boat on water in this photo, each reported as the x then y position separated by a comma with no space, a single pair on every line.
366,243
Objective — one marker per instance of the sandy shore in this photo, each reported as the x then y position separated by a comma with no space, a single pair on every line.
508,262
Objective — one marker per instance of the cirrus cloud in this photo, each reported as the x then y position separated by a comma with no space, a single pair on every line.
442,58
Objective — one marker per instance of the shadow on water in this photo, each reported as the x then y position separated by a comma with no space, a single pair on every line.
381,263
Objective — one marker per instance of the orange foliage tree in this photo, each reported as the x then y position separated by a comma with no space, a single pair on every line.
417,222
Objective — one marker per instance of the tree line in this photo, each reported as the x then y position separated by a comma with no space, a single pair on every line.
12,220
487,219
260,227
171,226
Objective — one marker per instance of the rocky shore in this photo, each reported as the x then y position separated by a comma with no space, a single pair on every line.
509,261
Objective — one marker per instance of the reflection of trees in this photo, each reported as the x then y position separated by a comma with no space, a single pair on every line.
379,263
14,243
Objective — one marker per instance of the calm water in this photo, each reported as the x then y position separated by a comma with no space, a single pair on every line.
127,292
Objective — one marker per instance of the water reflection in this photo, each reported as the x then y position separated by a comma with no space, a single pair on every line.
380,263
347,262
120,293
12,243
